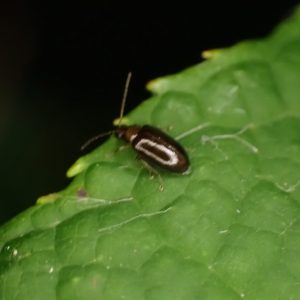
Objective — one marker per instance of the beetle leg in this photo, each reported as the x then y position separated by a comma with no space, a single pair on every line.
153,173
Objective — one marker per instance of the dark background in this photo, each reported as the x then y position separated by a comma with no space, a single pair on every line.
63,67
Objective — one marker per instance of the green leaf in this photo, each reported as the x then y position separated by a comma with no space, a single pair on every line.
228,230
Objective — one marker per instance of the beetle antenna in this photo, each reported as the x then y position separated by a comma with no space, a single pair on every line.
129,75
95,138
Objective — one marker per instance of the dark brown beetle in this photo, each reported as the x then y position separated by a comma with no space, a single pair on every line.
152,145
155,147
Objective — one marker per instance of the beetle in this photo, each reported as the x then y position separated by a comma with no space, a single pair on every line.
155,147
152,145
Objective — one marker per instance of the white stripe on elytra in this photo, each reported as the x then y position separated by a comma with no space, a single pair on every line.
173,159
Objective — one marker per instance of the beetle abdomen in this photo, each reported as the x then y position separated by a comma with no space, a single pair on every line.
156,147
